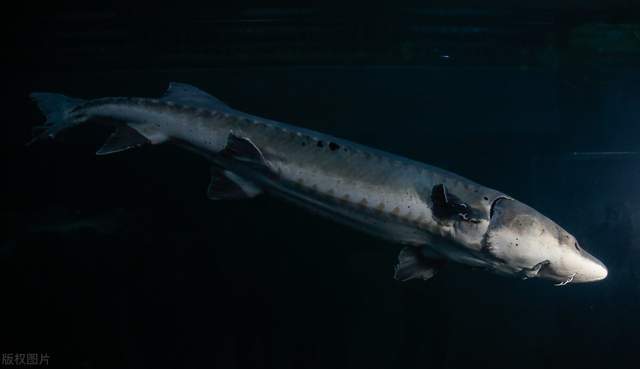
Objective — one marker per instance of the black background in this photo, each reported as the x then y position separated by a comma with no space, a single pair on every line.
121,261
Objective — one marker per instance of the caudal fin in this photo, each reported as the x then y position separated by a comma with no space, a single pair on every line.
56,108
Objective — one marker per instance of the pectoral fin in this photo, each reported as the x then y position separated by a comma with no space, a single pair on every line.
447,205
413,265
243,149
532,272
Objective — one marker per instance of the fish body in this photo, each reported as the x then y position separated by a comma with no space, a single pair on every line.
436,214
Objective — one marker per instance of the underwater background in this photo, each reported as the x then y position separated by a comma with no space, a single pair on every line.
122,262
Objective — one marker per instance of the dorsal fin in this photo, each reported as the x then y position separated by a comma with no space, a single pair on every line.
183,93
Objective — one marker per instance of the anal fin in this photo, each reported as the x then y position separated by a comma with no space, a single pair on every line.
226,185
123,138
413,265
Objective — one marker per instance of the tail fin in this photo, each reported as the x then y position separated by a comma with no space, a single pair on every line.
56,108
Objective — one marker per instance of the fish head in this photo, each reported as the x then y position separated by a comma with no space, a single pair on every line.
528,244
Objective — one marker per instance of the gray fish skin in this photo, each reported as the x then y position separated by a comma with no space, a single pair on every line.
445,216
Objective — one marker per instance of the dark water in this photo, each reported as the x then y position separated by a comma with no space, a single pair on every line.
121,261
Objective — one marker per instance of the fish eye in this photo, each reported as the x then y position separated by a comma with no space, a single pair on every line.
575,244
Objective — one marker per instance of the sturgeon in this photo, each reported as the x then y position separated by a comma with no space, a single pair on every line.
436,216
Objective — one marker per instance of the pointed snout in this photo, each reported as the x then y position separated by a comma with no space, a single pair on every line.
591,269
519,233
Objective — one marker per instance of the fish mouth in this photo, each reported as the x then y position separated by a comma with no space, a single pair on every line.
547,272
